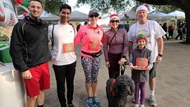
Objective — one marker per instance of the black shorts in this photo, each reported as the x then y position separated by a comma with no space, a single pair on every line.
152,72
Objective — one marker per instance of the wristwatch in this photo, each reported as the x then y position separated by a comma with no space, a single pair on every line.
160,55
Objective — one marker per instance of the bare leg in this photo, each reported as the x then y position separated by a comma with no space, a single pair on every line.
152,84
152,96
94,89
89,89
40,98
31,101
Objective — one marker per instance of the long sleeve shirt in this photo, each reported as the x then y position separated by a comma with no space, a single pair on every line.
91,39
119,44
140,75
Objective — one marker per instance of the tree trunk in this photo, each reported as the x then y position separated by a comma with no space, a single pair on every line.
187,17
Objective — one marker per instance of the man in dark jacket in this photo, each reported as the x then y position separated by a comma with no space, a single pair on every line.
30,53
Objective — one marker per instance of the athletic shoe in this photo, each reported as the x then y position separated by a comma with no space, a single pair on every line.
152,100
71,105
96,102
89,102
136,105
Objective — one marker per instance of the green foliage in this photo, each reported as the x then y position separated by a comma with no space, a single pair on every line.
166,8
105,6
53,5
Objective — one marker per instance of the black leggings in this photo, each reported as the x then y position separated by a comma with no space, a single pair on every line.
114,69
62,73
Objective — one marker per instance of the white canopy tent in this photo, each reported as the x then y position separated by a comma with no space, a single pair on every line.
78,16
156,15
131,14
177,14
45,16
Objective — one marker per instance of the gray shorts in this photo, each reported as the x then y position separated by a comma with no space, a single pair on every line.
152,72
91,68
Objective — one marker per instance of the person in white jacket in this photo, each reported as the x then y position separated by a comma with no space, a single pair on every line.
63,55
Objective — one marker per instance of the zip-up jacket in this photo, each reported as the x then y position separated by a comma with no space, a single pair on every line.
29,44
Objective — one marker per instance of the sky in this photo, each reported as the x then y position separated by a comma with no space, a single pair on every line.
85,9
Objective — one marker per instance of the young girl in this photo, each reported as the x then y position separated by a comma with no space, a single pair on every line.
140,64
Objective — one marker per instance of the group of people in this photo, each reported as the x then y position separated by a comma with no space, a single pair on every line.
181,30
30,53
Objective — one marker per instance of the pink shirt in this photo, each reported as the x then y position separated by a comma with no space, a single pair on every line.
91,38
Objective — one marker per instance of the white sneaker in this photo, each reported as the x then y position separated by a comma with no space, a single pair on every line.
142,105
152,101
136,105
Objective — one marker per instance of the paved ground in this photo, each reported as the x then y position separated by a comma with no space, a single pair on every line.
173,80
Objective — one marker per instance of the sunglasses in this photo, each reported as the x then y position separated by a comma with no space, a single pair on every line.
112,21
91,16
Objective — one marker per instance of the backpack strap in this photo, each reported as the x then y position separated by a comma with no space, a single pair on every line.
73,28
52,38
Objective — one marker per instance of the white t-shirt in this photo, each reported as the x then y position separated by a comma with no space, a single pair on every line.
63,48
153,31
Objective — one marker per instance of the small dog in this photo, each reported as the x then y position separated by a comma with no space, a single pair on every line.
118,89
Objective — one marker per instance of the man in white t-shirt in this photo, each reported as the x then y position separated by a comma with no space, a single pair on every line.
63,55
154,43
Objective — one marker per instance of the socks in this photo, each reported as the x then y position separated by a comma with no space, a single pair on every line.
40,105
152,92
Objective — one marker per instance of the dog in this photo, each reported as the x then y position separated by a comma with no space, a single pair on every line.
118,89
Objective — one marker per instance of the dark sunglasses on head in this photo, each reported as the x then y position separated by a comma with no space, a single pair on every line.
112,21
93,16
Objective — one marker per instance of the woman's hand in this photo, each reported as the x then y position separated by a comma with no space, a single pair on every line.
122,61
107,64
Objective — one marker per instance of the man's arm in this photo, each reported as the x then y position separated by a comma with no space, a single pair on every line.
130,47
16,48
160,43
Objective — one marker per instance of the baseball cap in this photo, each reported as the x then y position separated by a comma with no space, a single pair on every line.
93,12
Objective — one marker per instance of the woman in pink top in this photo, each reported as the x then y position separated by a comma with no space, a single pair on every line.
91,36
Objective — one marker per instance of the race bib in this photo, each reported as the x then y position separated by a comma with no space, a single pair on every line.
94,46
141,63
68,47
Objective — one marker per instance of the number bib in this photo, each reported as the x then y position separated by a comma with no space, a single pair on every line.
142,63
68,47
94,46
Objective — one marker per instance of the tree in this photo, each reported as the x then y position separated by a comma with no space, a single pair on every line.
106,6
121,5
166,8
53,5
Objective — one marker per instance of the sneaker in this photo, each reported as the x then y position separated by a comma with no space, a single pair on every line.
136,105
89,102
133,100
71,105
142,105
152,100
96,102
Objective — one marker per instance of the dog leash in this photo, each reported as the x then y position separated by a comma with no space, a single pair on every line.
111,89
